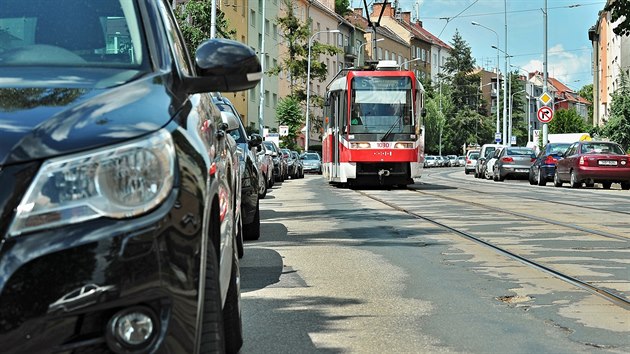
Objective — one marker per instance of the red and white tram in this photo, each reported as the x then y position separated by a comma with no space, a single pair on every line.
373,127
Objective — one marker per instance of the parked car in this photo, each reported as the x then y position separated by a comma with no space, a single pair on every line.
544,167
117,222
451,160
291,166
486,151
461,161
265,166
513,162
299,165
248,213
430,161
593,162
279,164
488,164
471,161
312,162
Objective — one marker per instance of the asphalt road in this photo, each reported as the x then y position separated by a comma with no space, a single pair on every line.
337,271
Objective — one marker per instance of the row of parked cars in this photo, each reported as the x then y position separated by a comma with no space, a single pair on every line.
444,161
128,183
582,163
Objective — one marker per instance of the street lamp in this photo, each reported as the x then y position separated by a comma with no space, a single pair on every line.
308,82
505,88
407,62
363,44
498,81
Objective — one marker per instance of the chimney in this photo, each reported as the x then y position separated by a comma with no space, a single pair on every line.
406,17
376,10
418,23
358,11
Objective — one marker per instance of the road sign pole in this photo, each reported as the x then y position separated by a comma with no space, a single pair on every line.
545,129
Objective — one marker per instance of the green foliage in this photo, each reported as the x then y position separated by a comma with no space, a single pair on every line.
618,126
619,9
194,18
586,92
567,121
288,112
435,121
342,7
458,73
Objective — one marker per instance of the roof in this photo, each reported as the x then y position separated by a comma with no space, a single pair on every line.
435,40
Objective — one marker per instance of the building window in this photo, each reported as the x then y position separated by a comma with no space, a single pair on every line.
340,39
275,100
266,62
275,31
424,55
380,54
260,5
319,35
252,94
327,35
400,59
386,54
267,27
252,18
418,52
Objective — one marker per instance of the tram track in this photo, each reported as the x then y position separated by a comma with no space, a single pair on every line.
608,295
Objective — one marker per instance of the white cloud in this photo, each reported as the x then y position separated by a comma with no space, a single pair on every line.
565,66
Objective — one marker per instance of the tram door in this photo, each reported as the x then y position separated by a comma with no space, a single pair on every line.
335,109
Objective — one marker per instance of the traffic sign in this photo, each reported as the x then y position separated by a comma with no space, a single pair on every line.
283,130
545,114
545,98
497,137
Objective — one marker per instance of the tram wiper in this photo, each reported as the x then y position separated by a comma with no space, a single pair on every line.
398,122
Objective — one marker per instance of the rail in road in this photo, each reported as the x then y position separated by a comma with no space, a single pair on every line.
592,244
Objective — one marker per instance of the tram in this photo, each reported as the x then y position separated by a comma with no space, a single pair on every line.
373,127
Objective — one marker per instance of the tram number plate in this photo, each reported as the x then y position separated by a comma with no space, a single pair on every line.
607,162
384,145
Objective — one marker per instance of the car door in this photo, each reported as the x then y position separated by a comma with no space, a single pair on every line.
564,165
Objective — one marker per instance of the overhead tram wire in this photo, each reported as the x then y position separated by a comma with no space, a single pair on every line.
448,19
515,11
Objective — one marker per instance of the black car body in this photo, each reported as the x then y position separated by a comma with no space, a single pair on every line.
116,211
544,167
280,167
248,171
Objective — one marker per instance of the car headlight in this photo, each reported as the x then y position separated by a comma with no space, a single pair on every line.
119,182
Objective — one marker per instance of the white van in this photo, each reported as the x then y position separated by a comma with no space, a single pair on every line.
486,151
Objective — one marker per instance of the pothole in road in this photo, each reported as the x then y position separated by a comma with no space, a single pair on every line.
513,299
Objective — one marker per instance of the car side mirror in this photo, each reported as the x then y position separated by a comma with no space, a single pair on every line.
224,65
231,120
255,140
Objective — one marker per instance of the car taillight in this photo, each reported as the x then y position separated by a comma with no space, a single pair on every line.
582,161
550,160
507,159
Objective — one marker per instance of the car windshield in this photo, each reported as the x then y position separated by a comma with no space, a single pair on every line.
310,156
558,148
101,33
521,152
473,156
602,148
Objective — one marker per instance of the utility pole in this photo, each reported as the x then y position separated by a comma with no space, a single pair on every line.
213,19
545,128
505,135
261,109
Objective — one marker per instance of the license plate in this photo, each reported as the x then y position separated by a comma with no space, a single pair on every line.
607,162
522,170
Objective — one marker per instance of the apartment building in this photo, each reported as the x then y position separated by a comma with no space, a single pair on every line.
236,14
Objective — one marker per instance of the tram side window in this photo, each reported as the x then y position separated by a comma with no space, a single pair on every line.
343,109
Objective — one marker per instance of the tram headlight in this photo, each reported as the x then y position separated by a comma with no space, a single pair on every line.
403,146
360,145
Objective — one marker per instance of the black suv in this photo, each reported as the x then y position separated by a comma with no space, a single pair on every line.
117,215
248,171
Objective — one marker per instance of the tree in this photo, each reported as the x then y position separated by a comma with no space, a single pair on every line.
567,121
618,126
288,112
586,92
342,7
194,18
458,72
619,9
297,35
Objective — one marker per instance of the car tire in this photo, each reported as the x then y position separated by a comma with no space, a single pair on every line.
211,333
606,185
556,180
240,249
625,186
542,181
262,189
232,320
251,231
501,178
574,180
530,177
589,184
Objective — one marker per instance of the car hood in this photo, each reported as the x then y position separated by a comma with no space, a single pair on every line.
48,112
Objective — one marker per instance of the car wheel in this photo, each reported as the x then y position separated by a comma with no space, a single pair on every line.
530,177
239,238
262,188
589,184
500,178
542,181
556,180
233,323
251,231
625,186
606,185
574,181
211,333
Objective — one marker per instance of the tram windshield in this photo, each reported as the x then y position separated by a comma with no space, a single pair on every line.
381,105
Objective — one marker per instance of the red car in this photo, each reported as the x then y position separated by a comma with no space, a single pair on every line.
593,162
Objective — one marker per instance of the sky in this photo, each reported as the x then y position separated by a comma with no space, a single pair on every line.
569,49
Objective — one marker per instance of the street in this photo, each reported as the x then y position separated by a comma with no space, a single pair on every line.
452,264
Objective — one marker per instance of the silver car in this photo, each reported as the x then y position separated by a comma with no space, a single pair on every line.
312,162
513,162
